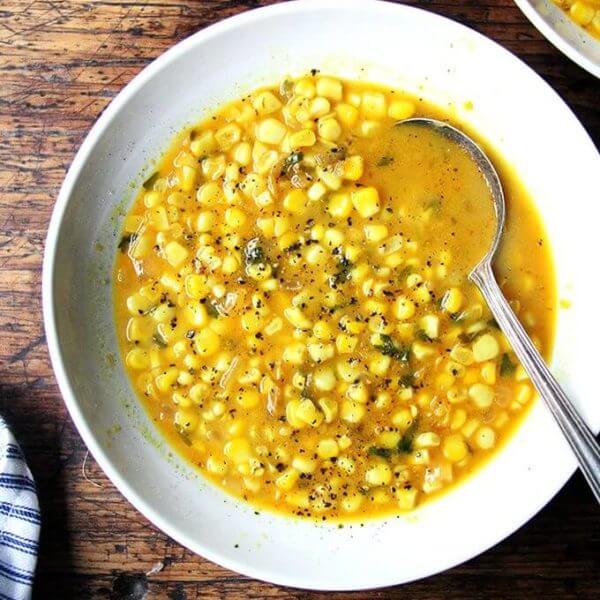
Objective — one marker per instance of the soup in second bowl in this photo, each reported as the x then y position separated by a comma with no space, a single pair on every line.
293,306
586,13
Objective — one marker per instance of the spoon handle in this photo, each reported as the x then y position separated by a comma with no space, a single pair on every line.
578,434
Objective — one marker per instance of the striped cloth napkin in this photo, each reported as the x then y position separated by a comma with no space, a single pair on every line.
19,520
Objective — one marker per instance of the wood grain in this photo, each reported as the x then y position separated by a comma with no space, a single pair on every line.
61,62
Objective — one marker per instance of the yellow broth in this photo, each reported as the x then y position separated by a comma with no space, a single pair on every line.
293,308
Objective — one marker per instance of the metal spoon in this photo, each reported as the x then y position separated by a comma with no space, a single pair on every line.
578,434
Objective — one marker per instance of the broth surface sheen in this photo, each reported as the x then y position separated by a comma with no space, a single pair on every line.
292,302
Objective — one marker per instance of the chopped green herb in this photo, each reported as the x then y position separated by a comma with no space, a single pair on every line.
381,452
457,317
211,308
343,272
407,380
404,272
149,183
434,204
389,348
126,242
405,445
507,367
253,252
493,323
339,306
421,335
467,338
385,161
158,339
183,435
293,159
306,392
286,88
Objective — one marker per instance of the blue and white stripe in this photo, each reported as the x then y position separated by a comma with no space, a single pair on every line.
19,520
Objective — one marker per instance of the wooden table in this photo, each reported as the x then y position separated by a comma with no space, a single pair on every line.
61,62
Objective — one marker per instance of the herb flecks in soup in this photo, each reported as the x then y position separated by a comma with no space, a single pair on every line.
293,304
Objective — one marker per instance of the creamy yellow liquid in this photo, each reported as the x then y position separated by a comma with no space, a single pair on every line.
297,319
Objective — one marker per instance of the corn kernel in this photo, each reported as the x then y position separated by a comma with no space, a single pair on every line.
401,109
228,135
485,347
308,413
352,168
216,466
352,412
315,192
329,88
294,353
404,308
329,129
455,448
295,201
206,342
481,394
327,448
319,107
265,103
302,464
205,221
345,344
138,359
329,407
324,379
406,497
523,394
582,13
287,480
485,438
375,233
347,114
320,352
237,450
203,144
302,139
242,154
175,254
340,205
209,194
366,201
358,391
379,364
297,318
452,300
373,105
380,474
270,131
248,398
351,504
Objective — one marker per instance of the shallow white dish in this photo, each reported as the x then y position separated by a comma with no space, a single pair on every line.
566,35
391,44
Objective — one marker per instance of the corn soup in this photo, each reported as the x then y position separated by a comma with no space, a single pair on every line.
585,13
293,307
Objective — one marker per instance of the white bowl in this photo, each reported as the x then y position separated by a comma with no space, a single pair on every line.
398,46
571,39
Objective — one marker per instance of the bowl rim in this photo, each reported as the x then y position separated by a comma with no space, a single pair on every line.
556,39
90,438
